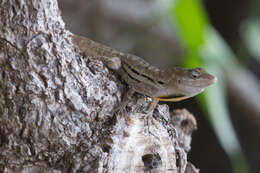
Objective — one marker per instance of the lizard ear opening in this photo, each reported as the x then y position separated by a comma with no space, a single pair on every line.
160,82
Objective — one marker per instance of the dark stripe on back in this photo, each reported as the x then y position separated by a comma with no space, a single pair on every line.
129,75
136,72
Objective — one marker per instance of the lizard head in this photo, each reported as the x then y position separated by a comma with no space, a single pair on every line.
187,82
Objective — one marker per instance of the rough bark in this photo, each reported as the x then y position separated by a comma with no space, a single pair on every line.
55,105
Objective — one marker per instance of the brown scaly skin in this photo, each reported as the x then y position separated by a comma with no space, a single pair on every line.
174,84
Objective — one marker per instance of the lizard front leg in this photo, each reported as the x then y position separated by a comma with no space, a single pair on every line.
129,96
152,105
115,63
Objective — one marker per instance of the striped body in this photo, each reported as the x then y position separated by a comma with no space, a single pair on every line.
174,84
143,77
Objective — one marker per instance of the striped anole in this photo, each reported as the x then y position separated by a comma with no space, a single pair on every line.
174,84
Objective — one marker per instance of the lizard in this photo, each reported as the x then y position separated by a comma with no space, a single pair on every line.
174,84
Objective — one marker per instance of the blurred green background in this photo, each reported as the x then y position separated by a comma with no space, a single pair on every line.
222,36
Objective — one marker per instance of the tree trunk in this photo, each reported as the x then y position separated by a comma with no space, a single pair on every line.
55,105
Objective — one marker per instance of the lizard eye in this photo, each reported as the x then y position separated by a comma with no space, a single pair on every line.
195,74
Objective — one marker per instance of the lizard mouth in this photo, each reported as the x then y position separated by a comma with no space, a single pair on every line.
172,98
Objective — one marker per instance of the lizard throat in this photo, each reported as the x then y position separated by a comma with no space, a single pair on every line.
172,98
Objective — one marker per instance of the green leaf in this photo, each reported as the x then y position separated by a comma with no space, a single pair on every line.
251,35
